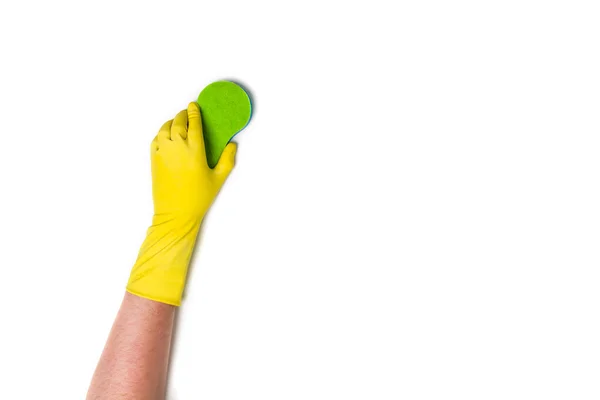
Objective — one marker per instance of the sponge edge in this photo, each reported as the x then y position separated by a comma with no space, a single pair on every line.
226,110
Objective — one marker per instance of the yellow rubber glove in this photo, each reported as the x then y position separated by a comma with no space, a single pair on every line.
183,188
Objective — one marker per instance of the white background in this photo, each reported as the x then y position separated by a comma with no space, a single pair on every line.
415,212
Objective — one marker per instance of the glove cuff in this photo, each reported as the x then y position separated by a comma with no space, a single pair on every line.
160,271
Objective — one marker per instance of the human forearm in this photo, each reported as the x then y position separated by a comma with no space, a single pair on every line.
135,359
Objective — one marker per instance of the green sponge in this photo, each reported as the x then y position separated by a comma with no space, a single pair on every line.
226,110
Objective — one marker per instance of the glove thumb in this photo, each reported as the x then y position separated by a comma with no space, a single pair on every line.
226,162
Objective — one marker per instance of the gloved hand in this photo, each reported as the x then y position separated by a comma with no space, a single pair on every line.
183,188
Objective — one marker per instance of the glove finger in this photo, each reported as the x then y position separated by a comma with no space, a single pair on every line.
154,145
195,135
180,126
165,131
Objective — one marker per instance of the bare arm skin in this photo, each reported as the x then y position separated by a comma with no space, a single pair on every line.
135,360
